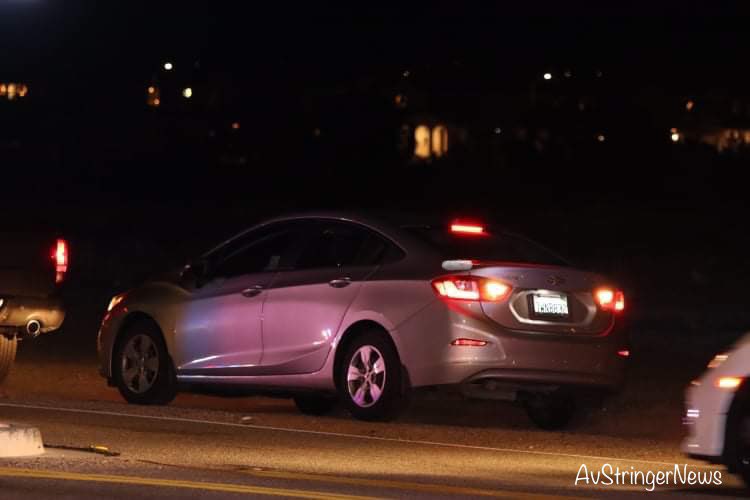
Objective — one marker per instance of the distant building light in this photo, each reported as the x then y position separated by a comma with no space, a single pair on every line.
422,142
430,142
235,125
498,130
400,100
439,140
675,137
548,76
168,66
689,105
317,132
406,73
600,138
187,92
599,73
568,73
12,90
153,96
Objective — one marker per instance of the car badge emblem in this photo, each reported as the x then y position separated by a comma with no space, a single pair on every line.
555,280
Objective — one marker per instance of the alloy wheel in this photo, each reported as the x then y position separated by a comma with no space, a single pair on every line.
366,376
140,363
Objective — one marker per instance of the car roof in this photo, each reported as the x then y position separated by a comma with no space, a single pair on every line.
379,224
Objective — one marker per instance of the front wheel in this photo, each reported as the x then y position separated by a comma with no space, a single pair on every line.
370,378
141,367
7,355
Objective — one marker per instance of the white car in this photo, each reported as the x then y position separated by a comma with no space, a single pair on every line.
717,413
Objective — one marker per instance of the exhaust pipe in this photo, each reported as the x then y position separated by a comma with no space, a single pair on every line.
33,328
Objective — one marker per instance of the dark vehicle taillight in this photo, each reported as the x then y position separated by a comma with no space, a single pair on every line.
471,288
610,299
61,258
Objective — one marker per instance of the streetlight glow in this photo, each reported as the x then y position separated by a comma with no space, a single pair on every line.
187,93
548,76
168,66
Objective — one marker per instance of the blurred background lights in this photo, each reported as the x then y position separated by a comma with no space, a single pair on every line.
548,76
168,66
187,92
12,90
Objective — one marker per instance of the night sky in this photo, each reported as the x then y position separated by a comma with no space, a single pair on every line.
313,86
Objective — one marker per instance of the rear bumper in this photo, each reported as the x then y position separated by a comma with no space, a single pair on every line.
607,381
524,361
17,312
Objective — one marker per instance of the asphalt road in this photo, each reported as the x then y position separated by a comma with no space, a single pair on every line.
211,447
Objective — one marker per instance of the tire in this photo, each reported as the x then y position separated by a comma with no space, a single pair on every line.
551,411
7,355
370,378
141,367
315,404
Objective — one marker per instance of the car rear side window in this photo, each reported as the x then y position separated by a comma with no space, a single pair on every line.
499,246
339,244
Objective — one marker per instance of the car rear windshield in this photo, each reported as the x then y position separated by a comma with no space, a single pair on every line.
497,246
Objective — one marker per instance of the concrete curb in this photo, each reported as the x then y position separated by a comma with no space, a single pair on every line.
20,440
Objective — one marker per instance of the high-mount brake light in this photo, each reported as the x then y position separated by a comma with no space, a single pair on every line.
463,228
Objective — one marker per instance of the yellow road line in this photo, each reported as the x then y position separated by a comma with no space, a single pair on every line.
404,485
171,483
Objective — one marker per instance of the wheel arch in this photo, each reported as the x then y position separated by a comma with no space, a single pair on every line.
127,322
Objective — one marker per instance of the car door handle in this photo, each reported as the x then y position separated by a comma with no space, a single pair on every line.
340,282
252,291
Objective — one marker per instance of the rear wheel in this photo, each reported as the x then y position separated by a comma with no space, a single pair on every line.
315,404
551,411
7,355
141,367
370,378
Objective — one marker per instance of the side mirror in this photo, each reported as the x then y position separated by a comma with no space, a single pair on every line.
194,274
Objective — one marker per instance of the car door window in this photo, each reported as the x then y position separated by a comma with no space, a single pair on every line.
337,244
269,249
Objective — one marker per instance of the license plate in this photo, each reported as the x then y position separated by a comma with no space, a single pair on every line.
550,305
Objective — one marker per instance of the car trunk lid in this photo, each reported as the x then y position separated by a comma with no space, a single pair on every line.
546,299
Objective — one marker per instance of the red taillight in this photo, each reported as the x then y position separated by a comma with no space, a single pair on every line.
610,299
465,228
623,353
469,343
471,288
60,256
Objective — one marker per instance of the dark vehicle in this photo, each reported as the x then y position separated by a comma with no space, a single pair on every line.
32,268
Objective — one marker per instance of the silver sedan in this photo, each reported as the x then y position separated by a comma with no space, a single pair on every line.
331,308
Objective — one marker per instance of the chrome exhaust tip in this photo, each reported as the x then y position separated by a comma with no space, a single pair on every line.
33,328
